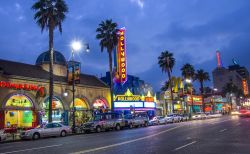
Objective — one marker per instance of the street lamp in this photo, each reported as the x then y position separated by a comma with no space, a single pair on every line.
76,46
192,100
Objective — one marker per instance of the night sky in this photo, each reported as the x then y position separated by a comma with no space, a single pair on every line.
192,29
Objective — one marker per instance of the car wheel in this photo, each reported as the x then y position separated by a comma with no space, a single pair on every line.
36,136
98,129
145,124
0,139
118,127
130,126
63,133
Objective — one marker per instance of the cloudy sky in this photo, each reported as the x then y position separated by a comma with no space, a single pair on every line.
192,29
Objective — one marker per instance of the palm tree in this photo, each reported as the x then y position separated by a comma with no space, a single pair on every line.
165,86
166,62
107,34
202,76
188,71
49,15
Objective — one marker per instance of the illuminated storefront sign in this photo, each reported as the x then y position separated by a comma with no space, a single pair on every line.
10,85
245,86
19,100
197,100
127,104
121,56
128,98
150,104
149,99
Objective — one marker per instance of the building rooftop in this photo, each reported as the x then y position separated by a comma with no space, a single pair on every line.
34,71
44,58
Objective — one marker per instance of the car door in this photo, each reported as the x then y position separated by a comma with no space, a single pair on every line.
48,128
57,128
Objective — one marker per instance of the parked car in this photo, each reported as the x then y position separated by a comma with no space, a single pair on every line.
199,115
162,120
154,121
3,136
144,117
136,120
104,121
171,118
50,129
184,117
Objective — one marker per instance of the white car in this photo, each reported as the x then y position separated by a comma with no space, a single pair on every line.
162,120
3,136
199,115
50,129
171,118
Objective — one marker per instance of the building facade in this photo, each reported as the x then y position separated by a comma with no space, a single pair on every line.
133,83
222,76
24,93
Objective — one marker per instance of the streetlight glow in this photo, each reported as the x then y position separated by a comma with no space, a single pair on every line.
188,80
76,45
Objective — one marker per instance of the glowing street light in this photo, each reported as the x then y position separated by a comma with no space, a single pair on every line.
188,80
76,45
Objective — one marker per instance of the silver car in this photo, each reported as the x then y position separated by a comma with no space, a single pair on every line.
171,118
104,121
50,129
3,136
135,121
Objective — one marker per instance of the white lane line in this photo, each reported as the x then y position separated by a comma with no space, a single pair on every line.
51,146
221,121
238,124
176,149
126,142
223,130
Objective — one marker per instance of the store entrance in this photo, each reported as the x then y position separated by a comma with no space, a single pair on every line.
19,119
19,112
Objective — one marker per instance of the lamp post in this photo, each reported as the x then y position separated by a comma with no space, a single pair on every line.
75,46
192,100
214,92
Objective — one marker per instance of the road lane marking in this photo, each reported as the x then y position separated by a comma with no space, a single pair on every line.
221,121
51,146
238,124
176,149
126,142
223,130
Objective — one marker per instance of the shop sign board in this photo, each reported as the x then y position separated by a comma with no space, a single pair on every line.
19,86
197,100
41,90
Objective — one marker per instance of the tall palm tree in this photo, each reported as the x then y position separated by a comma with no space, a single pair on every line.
201,76
165,86
188,71
166,62
49,15
107,34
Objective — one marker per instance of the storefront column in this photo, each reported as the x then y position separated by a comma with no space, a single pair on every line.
2,119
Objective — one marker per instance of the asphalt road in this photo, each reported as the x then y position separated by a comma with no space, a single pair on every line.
226,135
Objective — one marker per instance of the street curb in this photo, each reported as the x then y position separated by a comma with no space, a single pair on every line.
20,140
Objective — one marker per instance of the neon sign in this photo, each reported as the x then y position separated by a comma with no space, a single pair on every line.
128,104
218,59
121,56
197,100
245,87
10,85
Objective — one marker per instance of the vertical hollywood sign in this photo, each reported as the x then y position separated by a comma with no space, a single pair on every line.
121,52
245,86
